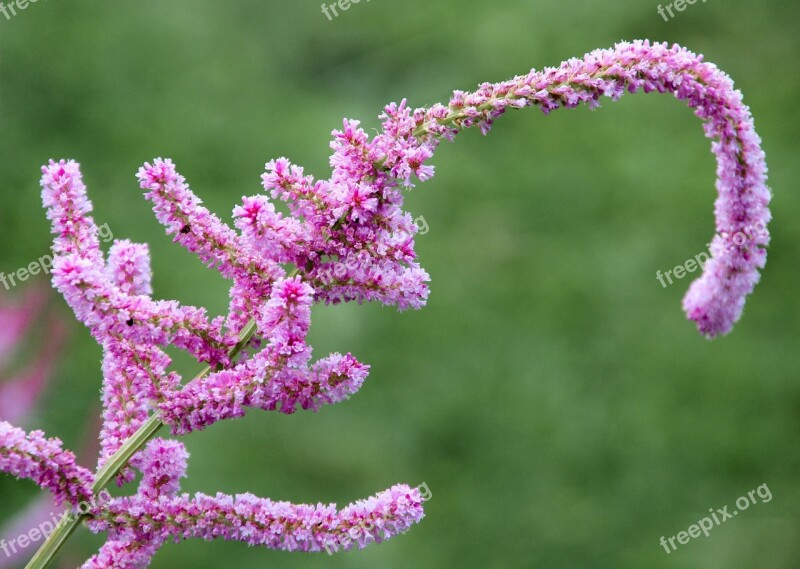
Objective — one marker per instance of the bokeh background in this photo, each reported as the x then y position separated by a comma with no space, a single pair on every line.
552,396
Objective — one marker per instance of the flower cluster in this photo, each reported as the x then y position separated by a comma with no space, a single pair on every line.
348,239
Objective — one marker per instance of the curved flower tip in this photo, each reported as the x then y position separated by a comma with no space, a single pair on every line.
339,377
376,519
716,300
329,381
33,457
259,521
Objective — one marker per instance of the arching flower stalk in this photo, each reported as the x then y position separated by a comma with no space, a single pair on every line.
348,239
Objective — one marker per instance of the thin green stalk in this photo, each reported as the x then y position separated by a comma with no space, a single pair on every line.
70,521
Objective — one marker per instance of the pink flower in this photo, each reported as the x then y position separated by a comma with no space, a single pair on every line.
715,300
259,521
43,461
349,239
163,464
80,274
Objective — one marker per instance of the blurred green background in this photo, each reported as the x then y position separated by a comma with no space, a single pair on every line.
552,396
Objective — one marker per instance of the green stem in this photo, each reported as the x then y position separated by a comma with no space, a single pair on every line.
55,541
70,521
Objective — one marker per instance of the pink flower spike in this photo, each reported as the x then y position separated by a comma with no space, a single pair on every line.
197,229
263,382
286,318
163,464
135,381
135,376
259,521
716,299
33,457
68,209
80,274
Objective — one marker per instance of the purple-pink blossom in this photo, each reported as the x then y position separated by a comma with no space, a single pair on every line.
163,465
34,457
259,521
80,274
345,238
715,300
